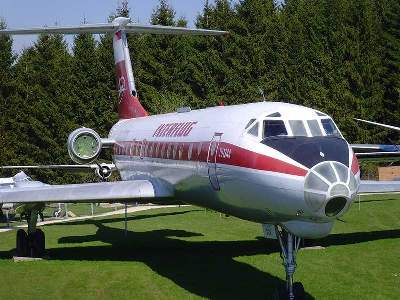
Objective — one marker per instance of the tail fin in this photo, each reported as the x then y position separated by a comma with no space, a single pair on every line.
129,105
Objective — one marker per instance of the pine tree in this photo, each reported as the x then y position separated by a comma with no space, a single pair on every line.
163,14
390,40
7,86
41,125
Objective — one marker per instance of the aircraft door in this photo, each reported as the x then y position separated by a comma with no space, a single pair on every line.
212,157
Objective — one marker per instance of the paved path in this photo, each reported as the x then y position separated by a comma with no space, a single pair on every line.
111,213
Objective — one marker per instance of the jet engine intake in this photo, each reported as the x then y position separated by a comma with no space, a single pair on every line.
84,145
330,187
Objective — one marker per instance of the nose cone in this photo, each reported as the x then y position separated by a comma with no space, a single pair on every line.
329,189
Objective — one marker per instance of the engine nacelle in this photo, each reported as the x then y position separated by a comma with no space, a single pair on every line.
84,145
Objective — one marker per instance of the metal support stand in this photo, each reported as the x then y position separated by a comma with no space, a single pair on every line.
8,220
126,217
289,252
66,210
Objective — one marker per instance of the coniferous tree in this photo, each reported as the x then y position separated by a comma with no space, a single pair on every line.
390,40
7,86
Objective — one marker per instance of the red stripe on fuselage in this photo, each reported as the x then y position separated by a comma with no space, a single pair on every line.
199,151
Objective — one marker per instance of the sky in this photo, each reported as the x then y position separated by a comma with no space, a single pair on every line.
37,13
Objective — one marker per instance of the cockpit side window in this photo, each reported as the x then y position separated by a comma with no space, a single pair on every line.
250,122
274,128
330,128
254,130
298,128
314,128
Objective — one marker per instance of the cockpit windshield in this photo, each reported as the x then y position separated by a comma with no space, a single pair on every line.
298,128
274,125
330,128
274,128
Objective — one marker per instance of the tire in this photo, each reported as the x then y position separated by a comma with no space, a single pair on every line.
22,243
40,242
36,242
298,290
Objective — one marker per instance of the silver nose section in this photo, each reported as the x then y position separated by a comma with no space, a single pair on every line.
329,188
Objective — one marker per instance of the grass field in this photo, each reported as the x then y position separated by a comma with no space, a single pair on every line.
187,253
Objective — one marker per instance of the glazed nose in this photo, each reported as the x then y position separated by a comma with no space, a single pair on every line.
329,189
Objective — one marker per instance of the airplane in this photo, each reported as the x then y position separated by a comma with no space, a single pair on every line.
282,165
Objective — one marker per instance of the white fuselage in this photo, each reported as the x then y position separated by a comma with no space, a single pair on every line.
209,158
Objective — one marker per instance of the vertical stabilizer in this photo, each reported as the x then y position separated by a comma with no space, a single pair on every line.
129,105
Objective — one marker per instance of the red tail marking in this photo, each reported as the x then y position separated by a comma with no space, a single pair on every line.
129,105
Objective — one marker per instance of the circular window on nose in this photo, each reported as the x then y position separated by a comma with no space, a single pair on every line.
335,206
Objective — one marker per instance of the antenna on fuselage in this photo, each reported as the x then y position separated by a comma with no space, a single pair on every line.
262,93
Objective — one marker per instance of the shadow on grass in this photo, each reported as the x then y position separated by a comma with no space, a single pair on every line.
207,269
358,237
204,268
122,219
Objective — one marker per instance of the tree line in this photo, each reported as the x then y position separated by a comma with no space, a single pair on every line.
341,57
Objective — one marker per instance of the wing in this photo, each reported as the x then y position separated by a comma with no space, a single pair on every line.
375,150
371,186
38,192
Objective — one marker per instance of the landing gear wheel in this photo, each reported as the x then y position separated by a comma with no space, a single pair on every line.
40,241
22,243
298,290
36,243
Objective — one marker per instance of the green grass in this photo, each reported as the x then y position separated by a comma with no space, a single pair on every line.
187,253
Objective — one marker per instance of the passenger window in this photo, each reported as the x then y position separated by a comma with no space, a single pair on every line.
190,151
199,146
314,128
254,130
330,128
298,128
163,150
274,128
169,151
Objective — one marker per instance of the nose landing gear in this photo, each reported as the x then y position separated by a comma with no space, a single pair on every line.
290,244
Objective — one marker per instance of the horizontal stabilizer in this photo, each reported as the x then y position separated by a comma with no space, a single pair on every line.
378,154
378,124
111,28
370,186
